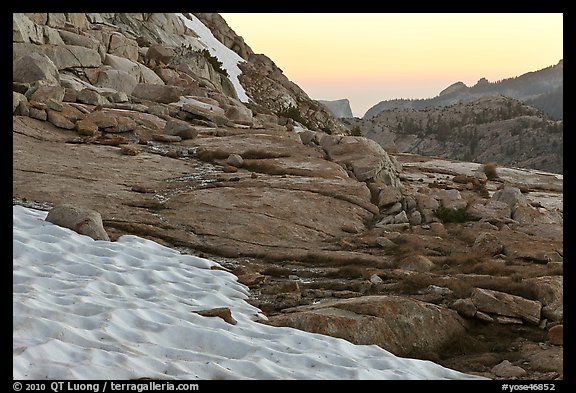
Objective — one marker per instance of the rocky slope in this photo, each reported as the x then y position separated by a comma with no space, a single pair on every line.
498,128
267,85
541,89
339,108
426,257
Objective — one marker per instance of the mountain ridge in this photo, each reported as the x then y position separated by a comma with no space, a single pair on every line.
527,87
491,128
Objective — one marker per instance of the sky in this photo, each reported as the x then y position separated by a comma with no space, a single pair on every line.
87,309
370,57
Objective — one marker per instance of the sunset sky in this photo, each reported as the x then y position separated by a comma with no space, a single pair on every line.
370,57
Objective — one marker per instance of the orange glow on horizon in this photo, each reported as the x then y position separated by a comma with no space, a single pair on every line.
365,50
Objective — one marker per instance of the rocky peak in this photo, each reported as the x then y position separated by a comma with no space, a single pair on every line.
458,86
340,108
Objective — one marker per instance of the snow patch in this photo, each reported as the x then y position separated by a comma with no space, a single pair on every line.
228,58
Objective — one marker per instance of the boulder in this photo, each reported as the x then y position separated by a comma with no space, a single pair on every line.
35,66
78,20
556,335
526,214
180,128
159,54
366,158
45,93
25,30
464,307
500,303
63,56
507,370
56,19
39,114
51,36
158,93
59,120
450,199
71,38
512,196
235,160
84,221
118,80
487,243
403,326
549,290
490,210
388,195
17,98
122,46
91,97
102,119
139,71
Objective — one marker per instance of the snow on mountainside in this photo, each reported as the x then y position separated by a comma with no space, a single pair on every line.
228,58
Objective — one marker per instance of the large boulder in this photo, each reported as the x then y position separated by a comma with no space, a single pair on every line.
71,38
63,56
512,196
25,30
118,80
366,159
501,303
142,73
158,93
84,221
35,66
549,290
403,326
122,46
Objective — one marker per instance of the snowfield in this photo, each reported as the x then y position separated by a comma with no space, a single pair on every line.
86,309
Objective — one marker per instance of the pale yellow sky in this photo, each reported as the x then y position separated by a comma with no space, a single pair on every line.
370,57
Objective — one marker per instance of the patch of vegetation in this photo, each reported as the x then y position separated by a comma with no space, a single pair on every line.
356,131
293,113
213,60
415,282
446,214
490,170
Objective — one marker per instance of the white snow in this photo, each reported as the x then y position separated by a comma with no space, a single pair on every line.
228,57
86,309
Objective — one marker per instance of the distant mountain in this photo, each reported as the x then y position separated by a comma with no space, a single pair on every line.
339,108
492,128
541,89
